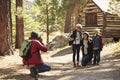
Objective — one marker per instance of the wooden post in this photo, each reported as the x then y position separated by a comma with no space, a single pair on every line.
104,23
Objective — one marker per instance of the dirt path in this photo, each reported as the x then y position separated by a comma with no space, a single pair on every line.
109,69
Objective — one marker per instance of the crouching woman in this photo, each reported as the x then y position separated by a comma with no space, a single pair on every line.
86,49
36,63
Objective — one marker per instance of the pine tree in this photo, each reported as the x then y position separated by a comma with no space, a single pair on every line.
19,23
5,27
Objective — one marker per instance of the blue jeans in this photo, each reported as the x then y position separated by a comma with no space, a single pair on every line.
43,68
76,50
96,56
85,59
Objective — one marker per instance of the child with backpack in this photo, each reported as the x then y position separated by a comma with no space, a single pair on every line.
97,46
87,50
35,62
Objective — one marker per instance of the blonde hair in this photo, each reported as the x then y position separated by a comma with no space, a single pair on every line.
97,31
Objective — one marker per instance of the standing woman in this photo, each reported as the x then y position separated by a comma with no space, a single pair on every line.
87,49
76,37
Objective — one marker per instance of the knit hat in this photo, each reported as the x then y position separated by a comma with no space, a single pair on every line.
79,25
87,33
34,35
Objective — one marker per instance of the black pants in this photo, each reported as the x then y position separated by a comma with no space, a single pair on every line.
76,50
96,56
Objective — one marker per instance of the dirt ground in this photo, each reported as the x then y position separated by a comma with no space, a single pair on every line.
11,67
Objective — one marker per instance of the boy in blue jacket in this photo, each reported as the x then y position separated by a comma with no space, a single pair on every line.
97,46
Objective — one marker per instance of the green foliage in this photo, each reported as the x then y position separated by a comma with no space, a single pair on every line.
57,12
30,23
54,13
35,19
13,10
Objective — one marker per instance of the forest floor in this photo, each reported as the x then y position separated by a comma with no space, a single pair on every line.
11,67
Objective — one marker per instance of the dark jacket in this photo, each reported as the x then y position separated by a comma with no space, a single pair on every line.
89,49
74,34
87,57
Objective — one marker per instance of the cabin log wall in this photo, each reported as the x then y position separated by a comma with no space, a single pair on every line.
91,8
112,28
108,23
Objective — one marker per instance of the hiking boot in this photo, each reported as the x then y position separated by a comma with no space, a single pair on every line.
78,64
33,72
74,64
36,78
89,63
97,64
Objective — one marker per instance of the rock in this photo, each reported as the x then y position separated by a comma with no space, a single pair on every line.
57,42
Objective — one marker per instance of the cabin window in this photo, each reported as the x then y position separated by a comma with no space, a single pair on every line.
91,19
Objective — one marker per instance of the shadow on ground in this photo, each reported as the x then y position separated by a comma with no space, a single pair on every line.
109,69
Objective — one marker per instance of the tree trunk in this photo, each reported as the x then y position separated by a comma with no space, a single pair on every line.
78,6
47,23
19,24
4,27
68,16
77,11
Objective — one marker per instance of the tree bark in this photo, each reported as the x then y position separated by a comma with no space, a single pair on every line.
68,16
47,22
19,24
77,11
4,27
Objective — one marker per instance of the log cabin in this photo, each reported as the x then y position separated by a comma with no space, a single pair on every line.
96,14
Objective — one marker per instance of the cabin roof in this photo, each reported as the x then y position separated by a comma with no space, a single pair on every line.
103,5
